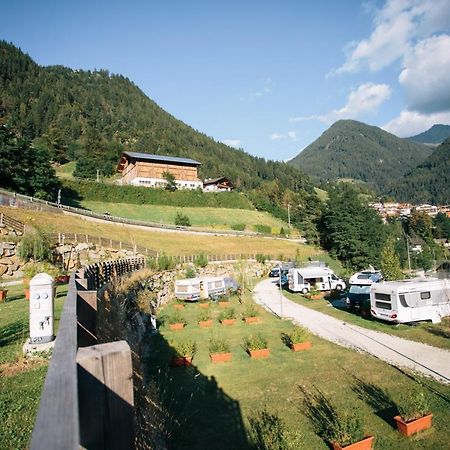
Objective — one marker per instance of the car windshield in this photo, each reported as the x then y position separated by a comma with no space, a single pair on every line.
359,289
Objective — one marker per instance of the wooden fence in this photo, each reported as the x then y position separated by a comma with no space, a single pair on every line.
9,222
87,400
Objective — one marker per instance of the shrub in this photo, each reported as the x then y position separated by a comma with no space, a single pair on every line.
238,226
255,342
218,345
227,314
298,334
165,262
250,311
345,429
261,258
176,317
259,228
35,245
201,260
190,272
187,347
267,431
203,316
413,405
182,220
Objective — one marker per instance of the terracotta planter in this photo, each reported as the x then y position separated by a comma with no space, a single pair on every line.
176,326
251,319
414,426
220,357
298,346
365,444
261,353
3,295
178,306
228,321
27,294
181,361
224,304
203,305
62,279
316,296
205,323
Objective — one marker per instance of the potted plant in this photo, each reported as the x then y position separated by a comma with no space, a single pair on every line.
345,431
176,321
204,303
256,346
219,350
250,314
178,305
414,413
227,317
315,294
224,302
297,339
3,293
204,319
184,352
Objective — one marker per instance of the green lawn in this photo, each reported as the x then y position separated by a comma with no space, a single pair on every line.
21,379
208,405
437,335
220,218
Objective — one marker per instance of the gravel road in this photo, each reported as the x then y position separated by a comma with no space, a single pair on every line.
428,360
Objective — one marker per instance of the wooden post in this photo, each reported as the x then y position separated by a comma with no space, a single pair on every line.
105,396
86,318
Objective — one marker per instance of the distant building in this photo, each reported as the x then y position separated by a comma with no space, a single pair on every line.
221,184
144,169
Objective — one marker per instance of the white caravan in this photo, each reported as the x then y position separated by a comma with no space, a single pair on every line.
320,278
197,288
212,286
410,300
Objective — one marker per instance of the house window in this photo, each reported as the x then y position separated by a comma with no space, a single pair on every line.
425,295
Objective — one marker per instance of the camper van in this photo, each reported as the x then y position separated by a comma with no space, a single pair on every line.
187,289
212,287
358,295
320,278
411,300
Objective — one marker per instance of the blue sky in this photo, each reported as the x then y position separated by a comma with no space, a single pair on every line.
265,76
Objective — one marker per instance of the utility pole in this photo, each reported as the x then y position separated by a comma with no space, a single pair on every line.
407,251
98,175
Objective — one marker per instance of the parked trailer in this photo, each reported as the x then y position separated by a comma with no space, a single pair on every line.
212,287
188,289
411,300
320,278
358,295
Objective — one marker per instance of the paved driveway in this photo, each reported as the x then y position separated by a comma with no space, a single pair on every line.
399,352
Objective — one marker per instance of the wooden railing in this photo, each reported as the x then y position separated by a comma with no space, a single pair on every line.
87,400
11,223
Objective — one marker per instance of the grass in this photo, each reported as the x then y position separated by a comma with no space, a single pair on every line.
21,379
168,242
437,335
208,405
218,218
65,170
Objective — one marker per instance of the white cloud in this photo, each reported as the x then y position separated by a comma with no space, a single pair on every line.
426,75
397,28
410,123
292,135
232,142
364,100
276,136
255,94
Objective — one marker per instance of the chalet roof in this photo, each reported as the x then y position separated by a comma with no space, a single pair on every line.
161,158
216,180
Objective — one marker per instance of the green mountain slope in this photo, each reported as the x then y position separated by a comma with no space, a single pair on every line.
94,116
429,182
350,149
435,135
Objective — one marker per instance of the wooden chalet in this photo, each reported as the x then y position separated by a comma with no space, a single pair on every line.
144,169
221,184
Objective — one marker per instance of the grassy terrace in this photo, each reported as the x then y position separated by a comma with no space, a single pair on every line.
169,242
21,379
437,335
212,402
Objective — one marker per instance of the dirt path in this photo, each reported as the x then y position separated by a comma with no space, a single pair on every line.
399,352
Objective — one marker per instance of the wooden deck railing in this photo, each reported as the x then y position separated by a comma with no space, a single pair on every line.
87,400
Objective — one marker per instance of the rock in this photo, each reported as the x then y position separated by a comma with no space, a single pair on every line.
6,261
3,269
82,246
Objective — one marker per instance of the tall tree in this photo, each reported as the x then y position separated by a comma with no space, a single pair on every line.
390,263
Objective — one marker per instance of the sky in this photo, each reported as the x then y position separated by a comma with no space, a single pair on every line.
266,76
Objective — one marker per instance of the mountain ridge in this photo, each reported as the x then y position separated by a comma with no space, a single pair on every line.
435,135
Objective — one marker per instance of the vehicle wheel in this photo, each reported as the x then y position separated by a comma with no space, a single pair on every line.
304,291
339,287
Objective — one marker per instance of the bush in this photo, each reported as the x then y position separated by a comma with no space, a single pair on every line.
218,345
227,314
238,226
165,262
250,311
413,405
187,347
259,228
201,260
190,272
182,220
345,429
255,342
203,316
261,258
35,245
267,431
298,334
176,317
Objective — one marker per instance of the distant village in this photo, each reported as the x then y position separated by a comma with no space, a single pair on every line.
147,170
391,209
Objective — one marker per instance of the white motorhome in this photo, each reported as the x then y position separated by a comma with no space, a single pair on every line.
212,286
410,300
188,289
320,278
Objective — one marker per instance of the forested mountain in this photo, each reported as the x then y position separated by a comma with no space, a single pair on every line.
92,117
429,182
435,135
350,149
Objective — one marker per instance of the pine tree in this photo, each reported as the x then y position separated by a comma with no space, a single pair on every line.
390,263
